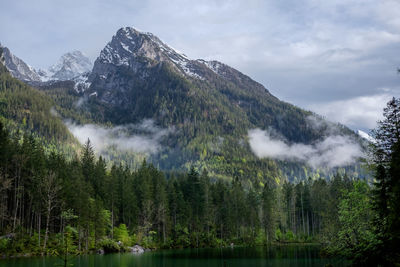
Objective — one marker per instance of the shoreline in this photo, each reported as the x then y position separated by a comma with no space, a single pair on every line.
126,251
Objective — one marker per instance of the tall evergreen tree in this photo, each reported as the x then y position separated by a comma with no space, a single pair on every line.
268,210
386,197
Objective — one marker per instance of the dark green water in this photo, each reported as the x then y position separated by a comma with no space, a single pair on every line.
259,256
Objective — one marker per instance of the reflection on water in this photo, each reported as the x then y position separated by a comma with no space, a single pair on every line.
290,255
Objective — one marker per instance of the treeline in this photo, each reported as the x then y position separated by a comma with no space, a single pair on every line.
45,198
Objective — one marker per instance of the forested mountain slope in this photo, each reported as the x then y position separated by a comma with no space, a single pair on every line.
145,100
29,108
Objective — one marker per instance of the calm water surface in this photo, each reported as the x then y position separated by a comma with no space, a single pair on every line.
226,257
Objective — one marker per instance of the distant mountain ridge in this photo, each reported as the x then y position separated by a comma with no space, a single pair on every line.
70,66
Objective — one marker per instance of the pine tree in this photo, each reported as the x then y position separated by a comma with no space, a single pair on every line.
88,162
386,197
268,210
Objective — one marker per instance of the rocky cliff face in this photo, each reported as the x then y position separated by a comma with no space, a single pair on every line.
18,68
133,54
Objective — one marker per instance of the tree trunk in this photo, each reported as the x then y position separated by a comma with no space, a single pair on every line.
79,237
16,201
87,239
46,233
302,213
39,225
112,220
164,232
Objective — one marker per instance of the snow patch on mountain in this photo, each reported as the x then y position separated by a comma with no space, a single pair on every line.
69,66
113,56
184,65
82,82
366,136
213,65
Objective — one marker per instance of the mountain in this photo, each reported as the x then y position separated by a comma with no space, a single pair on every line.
141,54
18,68
69,66
144,99
211,107
138,76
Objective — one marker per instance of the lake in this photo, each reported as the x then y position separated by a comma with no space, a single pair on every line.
290,255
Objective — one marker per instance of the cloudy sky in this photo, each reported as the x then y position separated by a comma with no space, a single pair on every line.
338,57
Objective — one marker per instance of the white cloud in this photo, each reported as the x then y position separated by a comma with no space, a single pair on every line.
362,110
333,151
121,137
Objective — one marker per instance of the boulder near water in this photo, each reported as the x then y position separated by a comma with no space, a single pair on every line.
136,249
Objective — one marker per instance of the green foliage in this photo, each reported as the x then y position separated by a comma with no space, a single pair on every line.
149,240
66,245
182,238
289,236
278,235
121,234
356,234
4,244
260,239
355,216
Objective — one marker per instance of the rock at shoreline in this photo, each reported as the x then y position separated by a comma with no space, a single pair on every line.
136,249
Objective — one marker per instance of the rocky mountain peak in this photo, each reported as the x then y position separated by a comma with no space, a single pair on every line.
18,68
137,51
69,66
129,44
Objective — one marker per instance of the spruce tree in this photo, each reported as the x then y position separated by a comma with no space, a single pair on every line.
386,199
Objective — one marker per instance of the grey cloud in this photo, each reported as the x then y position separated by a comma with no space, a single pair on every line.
363,110
54,112
333,151
80,102
144,137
